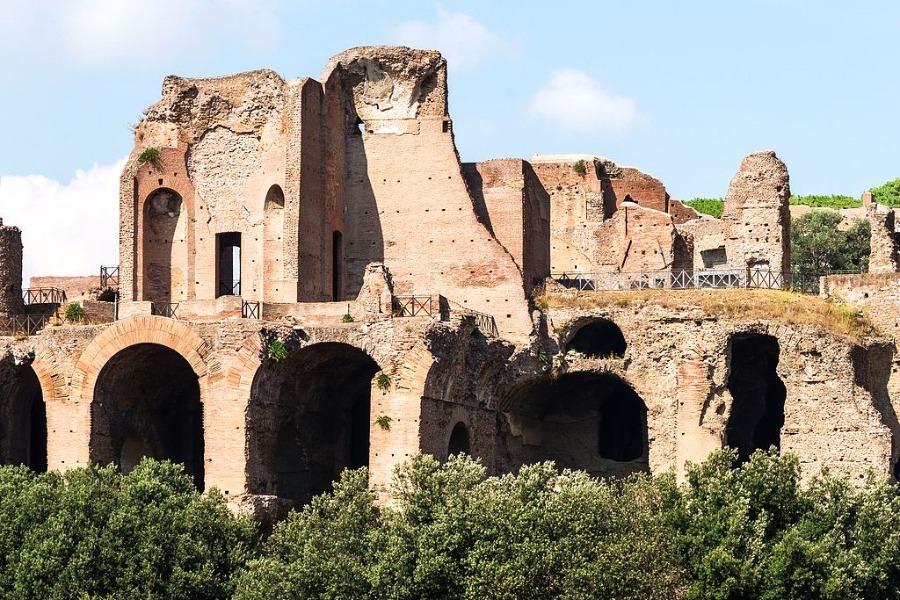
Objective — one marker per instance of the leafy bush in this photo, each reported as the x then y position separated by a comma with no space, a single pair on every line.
277,350
887,193
347,318
74,313
93,532
148,155
707,206
835,202
580,167
819,246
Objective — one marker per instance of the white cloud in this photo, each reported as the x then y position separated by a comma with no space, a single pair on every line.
111,31
462,40
579,104
67,229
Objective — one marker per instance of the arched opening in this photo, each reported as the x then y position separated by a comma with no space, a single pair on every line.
459,440
757,411
228,263
24,420
147,403
600,338
590,421
309,418
337,265
165,253
273,248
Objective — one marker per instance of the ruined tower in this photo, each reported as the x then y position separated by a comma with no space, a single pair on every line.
10,270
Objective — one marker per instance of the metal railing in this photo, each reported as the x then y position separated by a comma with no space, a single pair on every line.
230,288
109,276
164,309
411,306
801,282
43,296
485,323
24,324
250,310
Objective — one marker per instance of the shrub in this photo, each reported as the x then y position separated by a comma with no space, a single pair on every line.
580,167
383,421
347,318
277,350
835,202
383,381
148,155
74,313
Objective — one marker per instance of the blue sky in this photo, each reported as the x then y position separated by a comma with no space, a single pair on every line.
682,90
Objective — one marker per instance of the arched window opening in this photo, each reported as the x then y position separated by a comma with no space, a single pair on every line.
24,421
165,251
757,411
147,403
590,421
459,440
600,338
273,248
319,400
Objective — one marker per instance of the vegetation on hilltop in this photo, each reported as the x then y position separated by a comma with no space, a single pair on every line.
707,206
888,193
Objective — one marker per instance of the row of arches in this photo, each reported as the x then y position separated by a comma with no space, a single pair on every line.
310,415
167,255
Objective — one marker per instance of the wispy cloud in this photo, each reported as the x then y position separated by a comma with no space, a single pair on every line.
579,104
462,40
115,31
67,228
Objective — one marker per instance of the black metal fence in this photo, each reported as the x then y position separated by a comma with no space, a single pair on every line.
250,310
412,306
24,324
164,309
230,288
698,279
109,276
43,296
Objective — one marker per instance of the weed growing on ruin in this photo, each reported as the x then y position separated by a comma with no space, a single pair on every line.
74,313
347,318
384,422
20,336
277,350
148,155
580,167
383,381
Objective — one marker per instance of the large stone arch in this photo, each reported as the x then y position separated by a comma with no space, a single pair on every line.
173,335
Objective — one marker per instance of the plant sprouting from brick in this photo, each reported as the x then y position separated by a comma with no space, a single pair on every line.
383,381
384,422
277,350
148,155
347,318
74,313
580,167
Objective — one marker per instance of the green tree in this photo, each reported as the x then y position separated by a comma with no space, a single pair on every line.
818,245
95,532
887,193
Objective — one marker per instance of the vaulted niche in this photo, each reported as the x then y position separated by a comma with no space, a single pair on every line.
228,264
600,338
273,248
165,253
23,421
757,412
459,440
590,421
147,403
308,419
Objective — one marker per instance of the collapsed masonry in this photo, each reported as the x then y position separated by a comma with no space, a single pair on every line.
311,280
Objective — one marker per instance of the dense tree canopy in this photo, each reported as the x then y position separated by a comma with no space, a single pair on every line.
819,246
887,193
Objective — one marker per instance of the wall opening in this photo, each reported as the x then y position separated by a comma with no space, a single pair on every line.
273,238
459,440
147,403
165,256
228,263
337,263
599,339
24,421
309,418
757,411
584,420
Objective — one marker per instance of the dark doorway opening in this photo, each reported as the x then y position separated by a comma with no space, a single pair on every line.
337,262
599,339
309,418
147,403
24,420
757,412
459,440
590,421
228,264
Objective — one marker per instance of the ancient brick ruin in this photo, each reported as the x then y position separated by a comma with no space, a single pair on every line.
310,280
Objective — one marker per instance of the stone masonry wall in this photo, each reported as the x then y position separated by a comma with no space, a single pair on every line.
10,270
